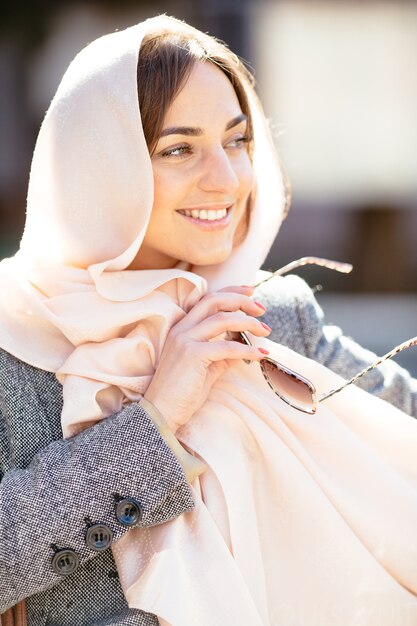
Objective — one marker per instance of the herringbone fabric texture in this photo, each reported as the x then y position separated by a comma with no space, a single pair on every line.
56,484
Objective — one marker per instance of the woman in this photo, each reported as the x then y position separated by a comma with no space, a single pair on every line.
112,328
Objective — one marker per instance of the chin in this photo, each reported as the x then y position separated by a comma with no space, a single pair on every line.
209,257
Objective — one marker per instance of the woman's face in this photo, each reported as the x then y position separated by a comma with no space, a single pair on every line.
202,175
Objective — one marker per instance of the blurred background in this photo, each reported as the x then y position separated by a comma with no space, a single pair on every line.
338,81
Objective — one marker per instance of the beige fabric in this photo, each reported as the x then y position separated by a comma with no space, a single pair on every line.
298,520
192,466
304,520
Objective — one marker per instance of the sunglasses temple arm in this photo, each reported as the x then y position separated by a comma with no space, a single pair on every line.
388,355
309,260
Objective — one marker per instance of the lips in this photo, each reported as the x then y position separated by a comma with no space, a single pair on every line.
205,214
209,218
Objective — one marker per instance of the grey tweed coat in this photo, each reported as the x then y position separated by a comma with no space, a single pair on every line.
52,489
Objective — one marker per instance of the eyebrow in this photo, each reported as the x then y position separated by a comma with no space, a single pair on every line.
192,131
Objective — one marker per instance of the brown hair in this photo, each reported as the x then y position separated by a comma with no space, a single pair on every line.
165,62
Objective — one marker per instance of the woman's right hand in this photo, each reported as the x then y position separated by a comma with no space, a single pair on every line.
190,363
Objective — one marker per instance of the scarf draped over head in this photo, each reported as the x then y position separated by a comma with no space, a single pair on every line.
290,524
71,305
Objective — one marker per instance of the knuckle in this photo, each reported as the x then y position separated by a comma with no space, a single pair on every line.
178,341
222,317
189,348
210,302
176,328
173,333
211,296
215,301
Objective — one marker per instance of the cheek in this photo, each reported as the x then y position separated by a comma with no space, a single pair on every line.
160,187
170,187
246,183
246,175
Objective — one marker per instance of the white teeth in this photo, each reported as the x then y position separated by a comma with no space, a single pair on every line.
206,215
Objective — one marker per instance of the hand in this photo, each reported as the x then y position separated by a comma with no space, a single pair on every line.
190,363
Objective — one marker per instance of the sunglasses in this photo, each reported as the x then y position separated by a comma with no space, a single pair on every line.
293,388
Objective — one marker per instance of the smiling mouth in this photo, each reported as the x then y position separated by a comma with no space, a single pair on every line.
205,214
210,219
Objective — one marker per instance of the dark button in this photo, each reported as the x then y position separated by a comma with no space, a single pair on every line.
65,562
128,511
98,537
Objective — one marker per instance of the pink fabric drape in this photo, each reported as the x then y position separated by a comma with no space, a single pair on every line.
299,520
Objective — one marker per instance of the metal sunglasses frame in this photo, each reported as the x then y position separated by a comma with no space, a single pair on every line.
340,267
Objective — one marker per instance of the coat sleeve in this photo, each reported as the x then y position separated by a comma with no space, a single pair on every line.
70,484
298,322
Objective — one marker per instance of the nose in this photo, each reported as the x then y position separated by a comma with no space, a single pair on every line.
218,174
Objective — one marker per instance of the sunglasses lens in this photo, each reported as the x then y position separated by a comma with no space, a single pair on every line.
289,387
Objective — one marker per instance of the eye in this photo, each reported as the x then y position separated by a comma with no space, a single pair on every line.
239,142
181,150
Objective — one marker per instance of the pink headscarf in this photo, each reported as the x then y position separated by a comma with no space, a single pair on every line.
291,525
69,305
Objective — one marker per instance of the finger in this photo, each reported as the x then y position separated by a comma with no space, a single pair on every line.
222,322
244,289
214,351
215,302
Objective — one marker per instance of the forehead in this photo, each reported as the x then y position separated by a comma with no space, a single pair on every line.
207,96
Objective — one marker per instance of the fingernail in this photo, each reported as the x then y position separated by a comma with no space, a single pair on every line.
266,326
263,350
247,287
261,306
